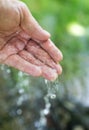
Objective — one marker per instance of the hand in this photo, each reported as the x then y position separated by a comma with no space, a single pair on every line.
24,44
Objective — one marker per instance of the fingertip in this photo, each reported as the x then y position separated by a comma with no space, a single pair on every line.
49,73
52,50
53,77
47,34
40,35
60,71
61,56
58,68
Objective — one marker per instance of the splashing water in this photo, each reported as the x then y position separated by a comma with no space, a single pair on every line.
51,87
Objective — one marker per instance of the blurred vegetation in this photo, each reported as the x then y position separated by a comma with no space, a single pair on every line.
22,96
56,16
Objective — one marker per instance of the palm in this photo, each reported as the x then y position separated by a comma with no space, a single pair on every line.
26,46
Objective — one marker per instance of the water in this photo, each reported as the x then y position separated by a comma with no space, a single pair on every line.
51,88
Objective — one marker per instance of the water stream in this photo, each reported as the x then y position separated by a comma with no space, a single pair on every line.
76,89
51,88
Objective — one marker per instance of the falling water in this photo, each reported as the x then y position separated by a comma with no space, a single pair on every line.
51,88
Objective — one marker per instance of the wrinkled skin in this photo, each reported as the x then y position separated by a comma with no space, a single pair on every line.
24,44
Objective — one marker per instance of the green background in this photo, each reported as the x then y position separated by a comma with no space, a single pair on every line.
22,96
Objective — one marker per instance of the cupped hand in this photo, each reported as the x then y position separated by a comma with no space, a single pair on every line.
24,44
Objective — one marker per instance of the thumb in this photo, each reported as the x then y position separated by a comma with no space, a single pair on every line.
31,26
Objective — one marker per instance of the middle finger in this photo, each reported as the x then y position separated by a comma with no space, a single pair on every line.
42,55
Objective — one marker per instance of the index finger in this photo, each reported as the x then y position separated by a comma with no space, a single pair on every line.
52,50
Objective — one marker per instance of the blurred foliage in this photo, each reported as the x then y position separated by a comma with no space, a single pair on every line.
55,16
22,96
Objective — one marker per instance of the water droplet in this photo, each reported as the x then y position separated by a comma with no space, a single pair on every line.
53,96
48,105
2,67
21,90
46,111
8,71
20,74
46,81
19,111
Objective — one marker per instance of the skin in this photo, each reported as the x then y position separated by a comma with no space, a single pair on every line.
24,44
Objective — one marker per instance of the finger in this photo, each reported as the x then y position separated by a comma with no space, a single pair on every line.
17,62
24,35
30,58
38,52
31,26
47,72
43,56
53,51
